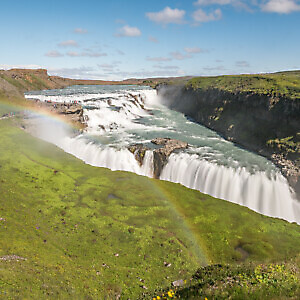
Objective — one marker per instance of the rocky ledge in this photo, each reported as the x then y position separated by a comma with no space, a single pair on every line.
263,123
160,154
73,112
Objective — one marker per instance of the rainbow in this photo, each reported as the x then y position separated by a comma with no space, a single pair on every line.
195,247
16,106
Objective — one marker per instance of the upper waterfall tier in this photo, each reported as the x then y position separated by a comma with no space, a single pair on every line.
119,116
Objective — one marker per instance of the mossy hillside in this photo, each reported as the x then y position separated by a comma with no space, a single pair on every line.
12,105
89,231
248,281
70,224
275,84
25,79
258,112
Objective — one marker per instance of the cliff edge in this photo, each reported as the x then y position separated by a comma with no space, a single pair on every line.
259,112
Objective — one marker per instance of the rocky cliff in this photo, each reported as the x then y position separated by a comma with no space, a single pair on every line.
14,82
264,123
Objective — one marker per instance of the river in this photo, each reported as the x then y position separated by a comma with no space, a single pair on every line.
119,116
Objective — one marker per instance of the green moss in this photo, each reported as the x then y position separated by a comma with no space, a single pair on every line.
16,83
289,144
87,232
250,281
287,84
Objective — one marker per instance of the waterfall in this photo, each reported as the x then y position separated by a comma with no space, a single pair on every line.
119,118
268,195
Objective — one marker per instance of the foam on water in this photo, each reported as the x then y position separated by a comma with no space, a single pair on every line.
270,196
120,116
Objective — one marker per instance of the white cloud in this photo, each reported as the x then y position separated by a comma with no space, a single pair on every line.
106,66
81,72
87,72
239,4
194,50
167,16
54,54
80,30
153,39
118,75
85,54
73,54
201,16
8,67
211,2
281,6
68,43
128,31
242,64
179,56
109,67
217,68
120,52
166,67
158,58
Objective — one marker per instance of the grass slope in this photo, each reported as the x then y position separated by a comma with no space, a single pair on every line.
284,83
263,281
69,230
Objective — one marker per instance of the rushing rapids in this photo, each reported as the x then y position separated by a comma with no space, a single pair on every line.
120,116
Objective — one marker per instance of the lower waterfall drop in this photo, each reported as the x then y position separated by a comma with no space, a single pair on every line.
270,196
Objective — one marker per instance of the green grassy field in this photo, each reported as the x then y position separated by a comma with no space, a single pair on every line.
262,281
72,231
285,83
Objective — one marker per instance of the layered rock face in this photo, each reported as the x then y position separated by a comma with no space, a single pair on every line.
160,155
266,124
72,112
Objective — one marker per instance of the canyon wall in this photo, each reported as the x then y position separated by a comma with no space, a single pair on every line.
266,124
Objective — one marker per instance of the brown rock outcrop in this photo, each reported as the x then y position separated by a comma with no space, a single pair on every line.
138,150
160,155
249,119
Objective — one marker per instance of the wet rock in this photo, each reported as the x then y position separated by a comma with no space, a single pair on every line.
113,126
161,155
290,169
74,109
138,150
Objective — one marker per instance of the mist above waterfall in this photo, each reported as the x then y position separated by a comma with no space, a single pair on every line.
119,116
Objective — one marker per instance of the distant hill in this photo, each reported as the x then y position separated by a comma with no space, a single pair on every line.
15,82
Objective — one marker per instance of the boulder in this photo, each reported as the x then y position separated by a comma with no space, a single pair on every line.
138,151
160,155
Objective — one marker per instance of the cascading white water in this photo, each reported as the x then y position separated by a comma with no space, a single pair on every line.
108,157
267,195
120,117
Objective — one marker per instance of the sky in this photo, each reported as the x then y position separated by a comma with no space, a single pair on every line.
118,39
